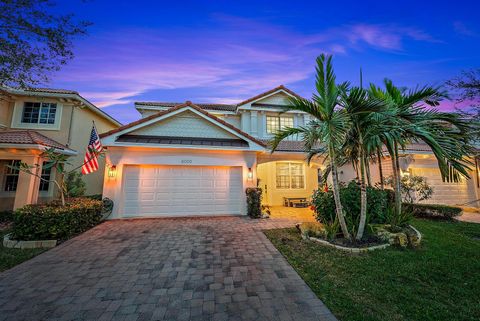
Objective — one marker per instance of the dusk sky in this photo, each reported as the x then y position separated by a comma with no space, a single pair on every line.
227,51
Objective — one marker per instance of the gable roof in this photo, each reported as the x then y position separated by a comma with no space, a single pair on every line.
60,93
269,92
178,107
31,137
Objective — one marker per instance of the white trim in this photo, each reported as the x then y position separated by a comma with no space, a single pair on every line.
110,140
162,108
68,152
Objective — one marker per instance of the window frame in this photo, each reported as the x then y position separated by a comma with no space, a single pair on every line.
42,111
8,172
290,176
43,175
280,123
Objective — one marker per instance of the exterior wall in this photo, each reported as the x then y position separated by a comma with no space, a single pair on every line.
80,135
185,124
75,135
272,195
121,156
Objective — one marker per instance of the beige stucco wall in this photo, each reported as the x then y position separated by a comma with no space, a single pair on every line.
76,137
273,196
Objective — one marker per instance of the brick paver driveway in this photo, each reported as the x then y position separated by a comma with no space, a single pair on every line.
162,269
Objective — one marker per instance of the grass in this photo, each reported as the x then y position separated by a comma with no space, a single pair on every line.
438,281
11,257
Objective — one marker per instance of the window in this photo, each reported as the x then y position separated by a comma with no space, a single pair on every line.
275,123
39,113
11,176
45,181
290,175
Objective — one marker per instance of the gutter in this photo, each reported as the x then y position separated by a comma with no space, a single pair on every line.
68,152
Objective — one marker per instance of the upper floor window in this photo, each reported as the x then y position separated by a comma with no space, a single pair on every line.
39,113
290,175
11,176
276,123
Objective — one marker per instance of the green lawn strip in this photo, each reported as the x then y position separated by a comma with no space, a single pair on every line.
438,281
11,257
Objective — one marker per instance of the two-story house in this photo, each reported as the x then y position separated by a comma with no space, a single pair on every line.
36,119
197,159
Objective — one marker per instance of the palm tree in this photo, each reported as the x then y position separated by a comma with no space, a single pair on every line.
326,132
445,133
365,114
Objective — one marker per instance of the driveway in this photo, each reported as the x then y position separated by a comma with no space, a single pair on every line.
220,268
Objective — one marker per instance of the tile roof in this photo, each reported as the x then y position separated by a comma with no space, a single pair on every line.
222,107
186,104
53,91
288,146
170,140
31,137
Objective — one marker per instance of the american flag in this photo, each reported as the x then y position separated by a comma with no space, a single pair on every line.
90,162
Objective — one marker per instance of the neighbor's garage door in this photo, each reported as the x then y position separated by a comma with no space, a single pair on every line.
181,190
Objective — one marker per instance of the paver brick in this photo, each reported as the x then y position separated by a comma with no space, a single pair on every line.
218,268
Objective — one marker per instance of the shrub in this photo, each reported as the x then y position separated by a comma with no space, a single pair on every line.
54,221
378,201
254,202
413,188
313,229
433,211
6,216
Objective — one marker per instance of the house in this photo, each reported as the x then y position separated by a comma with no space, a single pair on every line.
36,119
197,159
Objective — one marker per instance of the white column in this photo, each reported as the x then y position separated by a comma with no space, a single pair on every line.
253,123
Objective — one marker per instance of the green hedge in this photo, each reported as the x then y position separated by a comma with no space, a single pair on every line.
6,216
54,221
254,202
433,211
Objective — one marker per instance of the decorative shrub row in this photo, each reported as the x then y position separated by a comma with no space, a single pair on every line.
378,201
54,221
254,202
434,211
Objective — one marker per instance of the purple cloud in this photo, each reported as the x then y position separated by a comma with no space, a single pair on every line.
234,60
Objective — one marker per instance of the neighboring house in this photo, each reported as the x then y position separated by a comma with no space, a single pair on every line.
197,159
36,119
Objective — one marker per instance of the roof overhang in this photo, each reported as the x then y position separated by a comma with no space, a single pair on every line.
68,152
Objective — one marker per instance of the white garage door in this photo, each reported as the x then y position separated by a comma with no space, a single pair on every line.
181,190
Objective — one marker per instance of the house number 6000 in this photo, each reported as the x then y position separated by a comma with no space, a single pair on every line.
186,161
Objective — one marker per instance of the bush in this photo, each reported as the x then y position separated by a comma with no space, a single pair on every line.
312,229
378,201
433,211
254,202
6,216
54,221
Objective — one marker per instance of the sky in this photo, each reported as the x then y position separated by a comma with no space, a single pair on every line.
228,51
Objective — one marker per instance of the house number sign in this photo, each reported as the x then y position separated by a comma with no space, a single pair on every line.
186,161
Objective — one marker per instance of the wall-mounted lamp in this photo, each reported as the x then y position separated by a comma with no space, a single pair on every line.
250,174
112,171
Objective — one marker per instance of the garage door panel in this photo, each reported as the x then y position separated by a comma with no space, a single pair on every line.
182,190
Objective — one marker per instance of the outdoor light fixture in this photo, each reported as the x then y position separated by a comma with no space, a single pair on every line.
250,174
112,171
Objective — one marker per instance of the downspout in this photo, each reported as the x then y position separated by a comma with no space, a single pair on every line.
70,127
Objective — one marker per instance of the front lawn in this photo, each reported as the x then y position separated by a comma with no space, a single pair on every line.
438,281
11,257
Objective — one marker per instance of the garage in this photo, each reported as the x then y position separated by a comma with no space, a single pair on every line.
156,191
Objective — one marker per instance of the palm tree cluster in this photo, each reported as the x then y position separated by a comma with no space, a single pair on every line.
356,125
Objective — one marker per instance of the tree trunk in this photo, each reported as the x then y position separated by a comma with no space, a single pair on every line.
380,169
336,196
367,172
396,181
363,197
